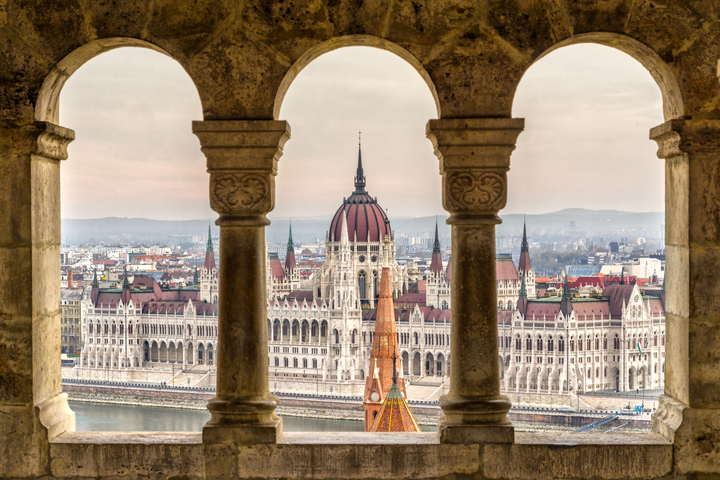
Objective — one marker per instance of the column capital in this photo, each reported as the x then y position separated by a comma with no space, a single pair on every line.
242,157
474,156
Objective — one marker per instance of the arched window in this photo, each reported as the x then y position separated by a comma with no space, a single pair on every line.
336,334
539,344
580,344
655,341
551,344
597,372
352,336
561,344
663,342
285,361
277,362
605,372
528,343
597,343
417,339
314,364
605,342
572,344
304,363
589,344
90,329
361,285
106,328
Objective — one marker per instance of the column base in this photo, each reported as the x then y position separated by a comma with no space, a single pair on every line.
243,421
243,434
475,419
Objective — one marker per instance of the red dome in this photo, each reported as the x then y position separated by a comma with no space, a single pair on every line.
364,215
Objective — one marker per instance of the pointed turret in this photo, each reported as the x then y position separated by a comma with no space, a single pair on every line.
359,175
95,292
524,265
566,302
196,281
384,349
125,296
622,276
209,253
522,298
344,239
436,262
290,257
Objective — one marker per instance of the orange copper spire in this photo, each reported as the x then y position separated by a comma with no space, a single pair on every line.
385,347
395,414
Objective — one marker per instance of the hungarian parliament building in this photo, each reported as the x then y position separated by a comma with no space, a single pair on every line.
320,329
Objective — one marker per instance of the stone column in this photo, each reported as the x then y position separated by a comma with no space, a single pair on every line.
474,156
34,408
689,411
242,161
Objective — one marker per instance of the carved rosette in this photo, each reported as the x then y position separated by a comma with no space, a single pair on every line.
476,192
242,193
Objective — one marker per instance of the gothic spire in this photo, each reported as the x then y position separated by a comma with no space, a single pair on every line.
290,245
436,261
209,247
126,284
95,284
622,276
524,247
290,257
359,176
524,264
566,302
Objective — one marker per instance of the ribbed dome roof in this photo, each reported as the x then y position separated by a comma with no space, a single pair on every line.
365,217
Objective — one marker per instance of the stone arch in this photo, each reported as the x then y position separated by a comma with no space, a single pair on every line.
190,357
429,365
305,331
276,330
417,364
210,354
201,354
163,353
405,362
48,100
154,354
673,104
350,41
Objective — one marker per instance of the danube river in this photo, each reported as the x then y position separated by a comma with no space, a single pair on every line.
129,418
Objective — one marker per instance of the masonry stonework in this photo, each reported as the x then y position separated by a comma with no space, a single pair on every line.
242,57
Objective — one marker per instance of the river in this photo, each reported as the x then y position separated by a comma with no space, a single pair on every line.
91,417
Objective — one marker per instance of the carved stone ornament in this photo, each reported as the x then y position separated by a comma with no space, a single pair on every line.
240,194
469,191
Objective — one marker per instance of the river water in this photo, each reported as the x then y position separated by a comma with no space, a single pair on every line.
92,417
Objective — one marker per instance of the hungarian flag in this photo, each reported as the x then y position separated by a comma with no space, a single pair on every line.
641,346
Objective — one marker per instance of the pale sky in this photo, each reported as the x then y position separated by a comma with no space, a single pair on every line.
588,110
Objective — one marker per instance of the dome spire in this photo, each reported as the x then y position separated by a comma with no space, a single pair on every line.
359,176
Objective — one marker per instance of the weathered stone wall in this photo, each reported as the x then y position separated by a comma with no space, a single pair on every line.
242,56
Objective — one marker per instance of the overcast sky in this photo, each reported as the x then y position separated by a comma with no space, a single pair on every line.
588,110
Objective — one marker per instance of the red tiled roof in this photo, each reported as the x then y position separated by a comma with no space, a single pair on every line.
276,268
617,294
505,269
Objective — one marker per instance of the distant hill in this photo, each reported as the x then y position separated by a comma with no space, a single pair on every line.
308,229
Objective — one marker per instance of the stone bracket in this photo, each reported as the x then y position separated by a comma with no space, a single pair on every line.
668,417
53,141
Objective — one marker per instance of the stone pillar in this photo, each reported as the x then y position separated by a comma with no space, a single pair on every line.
34,408
689,411
474,156
242,161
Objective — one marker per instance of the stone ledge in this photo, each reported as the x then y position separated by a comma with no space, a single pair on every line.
359,438
131,438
